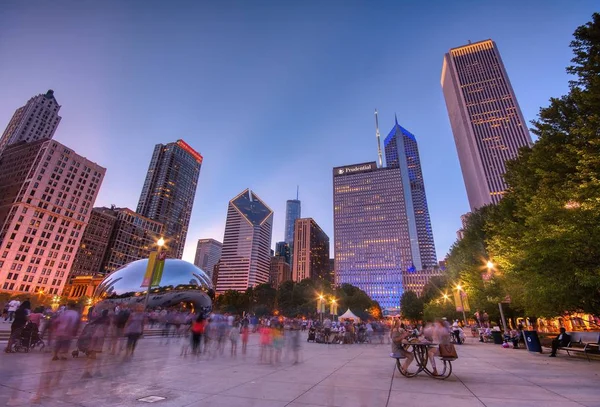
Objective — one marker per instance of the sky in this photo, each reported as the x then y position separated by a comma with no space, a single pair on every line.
273,94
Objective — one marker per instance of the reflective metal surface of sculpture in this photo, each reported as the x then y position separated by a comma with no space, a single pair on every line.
181,282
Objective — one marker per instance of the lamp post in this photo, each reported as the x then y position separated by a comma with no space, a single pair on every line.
490,267
321,307
160,243
462,305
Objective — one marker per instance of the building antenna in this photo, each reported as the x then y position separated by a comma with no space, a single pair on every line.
378,140
297,191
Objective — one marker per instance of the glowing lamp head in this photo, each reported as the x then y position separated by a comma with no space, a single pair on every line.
490,265
458,287
160,242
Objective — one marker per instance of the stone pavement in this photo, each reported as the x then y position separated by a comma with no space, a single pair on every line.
334,375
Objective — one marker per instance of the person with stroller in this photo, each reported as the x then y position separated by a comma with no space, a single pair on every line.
18,323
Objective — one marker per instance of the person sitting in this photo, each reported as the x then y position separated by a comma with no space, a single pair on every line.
562,340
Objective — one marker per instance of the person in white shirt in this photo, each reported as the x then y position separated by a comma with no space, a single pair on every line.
12,307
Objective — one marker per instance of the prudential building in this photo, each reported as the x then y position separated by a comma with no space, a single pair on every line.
382,230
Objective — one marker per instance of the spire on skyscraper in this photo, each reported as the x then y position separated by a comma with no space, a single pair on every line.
379,155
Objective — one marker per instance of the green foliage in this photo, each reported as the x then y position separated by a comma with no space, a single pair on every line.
293,299
411,306
544,235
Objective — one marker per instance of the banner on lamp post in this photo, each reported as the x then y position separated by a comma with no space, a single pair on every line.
465,301
149,268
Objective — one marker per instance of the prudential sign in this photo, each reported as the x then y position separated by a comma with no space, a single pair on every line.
354,169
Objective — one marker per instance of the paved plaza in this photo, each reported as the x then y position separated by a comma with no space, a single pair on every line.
334,375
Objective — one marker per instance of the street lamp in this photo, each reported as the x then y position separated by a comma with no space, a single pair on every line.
490,267
160,243
462,305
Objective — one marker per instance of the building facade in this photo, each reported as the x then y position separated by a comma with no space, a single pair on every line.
169,190
45,215
487,123
94,243
283,249
311,251
246,256
293,211
37,120
208,254
401,151
133,238
280,271
371,234
418,279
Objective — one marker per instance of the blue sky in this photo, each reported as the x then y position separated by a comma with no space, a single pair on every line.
274,94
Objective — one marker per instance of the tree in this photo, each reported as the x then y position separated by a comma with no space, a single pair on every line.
545,234
411,306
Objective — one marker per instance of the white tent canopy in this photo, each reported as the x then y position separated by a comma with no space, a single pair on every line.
349,315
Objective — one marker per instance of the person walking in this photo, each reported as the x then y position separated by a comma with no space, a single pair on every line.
65,328
133,330
13,306
101,327
198,328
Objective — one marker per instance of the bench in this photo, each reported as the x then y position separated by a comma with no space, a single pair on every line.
583,342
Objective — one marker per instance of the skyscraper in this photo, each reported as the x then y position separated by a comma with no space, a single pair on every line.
486,120
282,249
208,254
133,238
246,256
280,271
401,151
94,243
292,212
311,251
37,120
46,196
168,193
371,233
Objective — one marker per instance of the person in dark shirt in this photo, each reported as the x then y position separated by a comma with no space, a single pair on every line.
17,326
560,341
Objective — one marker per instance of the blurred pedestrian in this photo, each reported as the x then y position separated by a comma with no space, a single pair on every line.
101,328
19,319
134,329
234,337
65,328
198,329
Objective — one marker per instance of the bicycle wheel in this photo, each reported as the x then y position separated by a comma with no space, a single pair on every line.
446,370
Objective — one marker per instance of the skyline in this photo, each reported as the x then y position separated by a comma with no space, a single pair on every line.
325,122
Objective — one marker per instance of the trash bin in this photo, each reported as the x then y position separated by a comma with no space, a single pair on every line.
497,335
532,341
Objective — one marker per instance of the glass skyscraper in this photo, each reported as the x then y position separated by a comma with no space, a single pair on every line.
402,151
372,241
169,191
292,212
246,255
382,228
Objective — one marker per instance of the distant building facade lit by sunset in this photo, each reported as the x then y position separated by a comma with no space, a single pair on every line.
487,122
169,190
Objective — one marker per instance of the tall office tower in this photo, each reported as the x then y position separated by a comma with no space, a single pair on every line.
487,123
46,195
90,255
418,279
282,249
311,251
280,271
401,151
292,212
168,193
371,234
246,256
133,238
208,254
37,120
